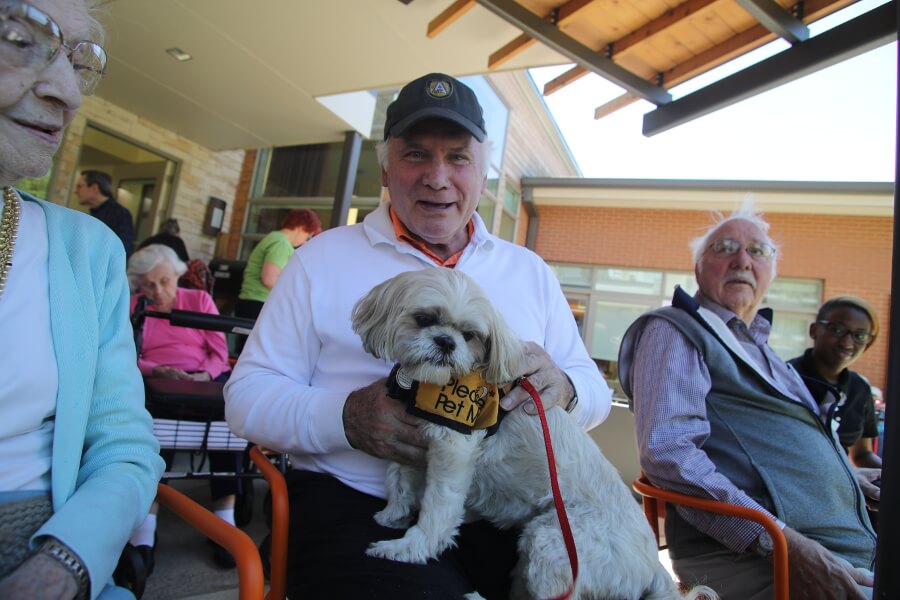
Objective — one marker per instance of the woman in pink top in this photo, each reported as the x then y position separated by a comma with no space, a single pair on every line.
166,350
175,352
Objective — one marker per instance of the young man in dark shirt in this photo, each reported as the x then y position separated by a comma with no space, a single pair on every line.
845,327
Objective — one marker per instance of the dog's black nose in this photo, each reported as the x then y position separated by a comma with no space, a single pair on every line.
445,343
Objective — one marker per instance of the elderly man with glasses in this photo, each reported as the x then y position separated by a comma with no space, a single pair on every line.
719,415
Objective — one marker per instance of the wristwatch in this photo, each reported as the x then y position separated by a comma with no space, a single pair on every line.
763,545
61,553
570,406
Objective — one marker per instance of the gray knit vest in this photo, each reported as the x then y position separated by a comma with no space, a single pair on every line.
771,447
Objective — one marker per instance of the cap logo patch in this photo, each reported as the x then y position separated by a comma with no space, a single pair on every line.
439,88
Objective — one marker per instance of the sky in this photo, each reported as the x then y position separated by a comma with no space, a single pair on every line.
838,124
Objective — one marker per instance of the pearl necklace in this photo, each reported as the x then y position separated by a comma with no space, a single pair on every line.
9,227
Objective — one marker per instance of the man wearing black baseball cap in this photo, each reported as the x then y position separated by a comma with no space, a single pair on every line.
305,386
435,96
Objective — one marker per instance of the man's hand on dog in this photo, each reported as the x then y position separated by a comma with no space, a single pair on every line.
547,378
379,425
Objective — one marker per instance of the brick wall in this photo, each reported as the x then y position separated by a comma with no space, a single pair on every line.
202,173
852,255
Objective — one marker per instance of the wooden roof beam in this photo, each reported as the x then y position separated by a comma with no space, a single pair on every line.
814,10
558,17
515,14
450,15
564,79
741,43
661,23
735,46
615,104
773,17
866,32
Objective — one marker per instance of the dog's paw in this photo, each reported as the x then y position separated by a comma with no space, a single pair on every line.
393,519
413,547
473,596
397,550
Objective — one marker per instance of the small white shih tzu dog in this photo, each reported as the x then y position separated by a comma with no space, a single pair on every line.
454,352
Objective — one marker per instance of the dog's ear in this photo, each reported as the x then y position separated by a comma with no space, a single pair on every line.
504,351
374,319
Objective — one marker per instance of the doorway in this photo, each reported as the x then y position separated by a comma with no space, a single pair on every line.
141,177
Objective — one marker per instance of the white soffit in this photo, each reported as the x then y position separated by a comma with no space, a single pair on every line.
357,109
259,67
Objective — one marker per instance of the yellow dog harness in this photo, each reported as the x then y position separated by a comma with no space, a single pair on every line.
465,404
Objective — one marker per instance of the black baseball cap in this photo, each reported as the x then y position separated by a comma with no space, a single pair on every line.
435,96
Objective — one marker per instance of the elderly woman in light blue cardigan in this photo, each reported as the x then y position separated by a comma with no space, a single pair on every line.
105,461
80,463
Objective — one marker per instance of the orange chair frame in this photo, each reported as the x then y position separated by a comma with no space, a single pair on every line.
251,582
652,509
652,495
280,523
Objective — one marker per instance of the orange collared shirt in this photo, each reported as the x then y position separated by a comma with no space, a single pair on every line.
403,234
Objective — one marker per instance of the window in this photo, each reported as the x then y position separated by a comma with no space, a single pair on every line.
486,210
266,216
496,117
606,300
510,214
307,176
312,171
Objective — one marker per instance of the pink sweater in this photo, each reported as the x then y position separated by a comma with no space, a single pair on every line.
181,347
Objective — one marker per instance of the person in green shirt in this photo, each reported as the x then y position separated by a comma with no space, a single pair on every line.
270,256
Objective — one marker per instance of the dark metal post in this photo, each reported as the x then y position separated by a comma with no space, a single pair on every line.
343,195
533,219
887,576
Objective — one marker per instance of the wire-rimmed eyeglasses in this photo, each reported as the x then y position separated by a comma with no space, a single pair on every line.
859,336
30,38
757,250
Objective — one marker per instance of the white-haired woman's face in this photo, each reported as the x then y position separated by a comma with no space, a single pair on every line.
160,286
37,101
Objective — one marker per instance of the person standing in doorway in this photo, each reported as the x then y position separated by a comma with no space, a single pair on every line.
94,190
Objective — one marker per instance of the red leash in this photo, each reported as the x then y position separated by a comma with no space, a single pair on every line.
554,485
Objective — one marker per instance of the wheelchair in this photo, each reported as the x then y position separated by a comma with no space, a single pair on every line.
189,416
